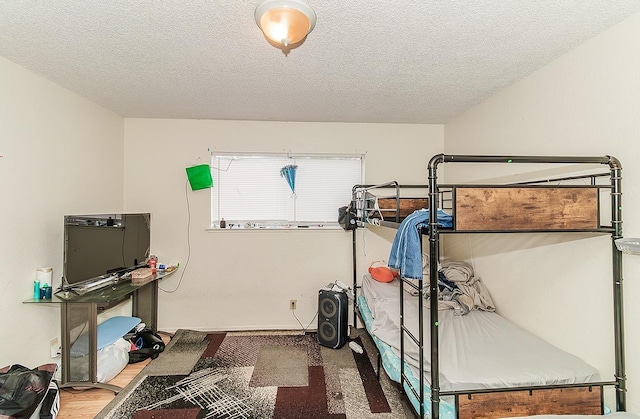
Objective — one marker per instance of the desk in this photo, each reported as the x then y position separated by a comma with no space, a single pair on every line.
79,312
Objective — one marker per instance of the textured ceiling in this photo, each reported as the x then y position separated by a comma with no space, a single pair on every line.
412,61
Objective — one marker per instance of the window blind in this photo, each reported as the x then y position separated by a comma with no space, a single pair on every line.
249,189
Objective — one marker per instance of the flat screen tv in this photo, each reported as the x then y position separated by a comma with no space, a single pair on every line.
96,245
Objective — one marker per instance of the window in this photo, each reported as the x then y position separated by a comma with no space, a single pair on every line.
249,190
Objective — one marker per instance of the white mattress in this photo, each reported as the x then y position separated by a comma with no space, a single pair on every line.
477,350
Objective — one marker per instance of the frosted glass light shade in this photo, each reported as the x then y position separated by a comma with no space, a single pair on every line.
285,22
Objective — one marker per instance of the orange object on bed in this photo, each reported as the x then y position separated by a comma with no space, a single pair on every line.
382,273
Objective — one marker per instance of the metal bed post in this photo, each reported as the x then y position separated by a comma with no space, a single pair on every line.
618,305
355,277
353,262
434,247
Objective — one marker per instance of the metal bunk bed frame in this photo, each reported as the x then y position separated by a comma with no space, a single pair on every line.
433,231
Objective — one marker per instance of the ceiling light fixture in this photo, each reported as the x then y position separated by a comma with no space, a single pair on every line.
285,22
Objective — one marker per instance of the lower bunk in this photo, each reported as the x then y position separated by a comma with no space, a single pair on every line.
489,367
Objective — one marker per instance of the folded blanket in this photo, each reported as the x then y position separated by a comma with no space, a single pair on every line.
469,293
458,288
406,251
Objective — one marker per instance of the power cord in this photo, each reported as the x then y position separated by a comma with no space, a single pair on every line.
304,329
186,194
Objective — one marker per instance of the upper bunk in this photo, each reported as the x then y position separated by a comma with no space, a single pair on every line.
580,197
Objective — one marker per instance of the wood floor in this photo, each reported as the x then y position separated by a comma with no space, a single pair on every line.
86,404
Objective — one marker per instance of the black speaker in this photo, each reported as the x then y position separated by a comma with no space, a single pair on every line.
332,318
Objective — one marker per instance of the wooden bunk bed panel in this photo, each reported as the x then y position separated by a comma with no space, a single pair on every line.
389,208
526,208
562,401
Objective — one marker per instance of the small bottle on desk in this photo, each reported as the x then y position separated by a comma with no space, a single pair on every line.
152,264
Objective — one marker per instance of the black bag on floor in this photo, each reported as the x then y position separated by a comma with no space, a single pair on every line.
23,389
148,343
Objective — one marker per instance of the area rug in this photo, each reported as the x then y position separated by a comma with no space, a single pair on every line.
259,375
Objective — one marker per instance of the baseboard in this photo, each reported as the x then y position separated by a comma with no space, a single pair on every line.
247,330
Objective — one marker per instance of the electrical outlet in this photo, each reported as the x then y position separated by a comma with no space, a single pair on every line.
55,348
292,304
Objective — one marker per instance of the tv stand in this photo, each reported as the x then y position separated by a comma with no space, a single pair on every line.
79,315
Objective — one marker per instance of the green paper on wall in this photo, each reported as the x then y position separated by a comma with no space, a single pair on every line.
199,177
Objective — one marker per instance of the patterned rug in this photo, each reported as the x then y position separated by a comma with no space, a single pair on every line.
259,375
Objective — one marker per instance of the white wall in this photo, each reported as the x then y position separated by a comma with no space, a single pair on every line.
61,154
244,279
585,103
